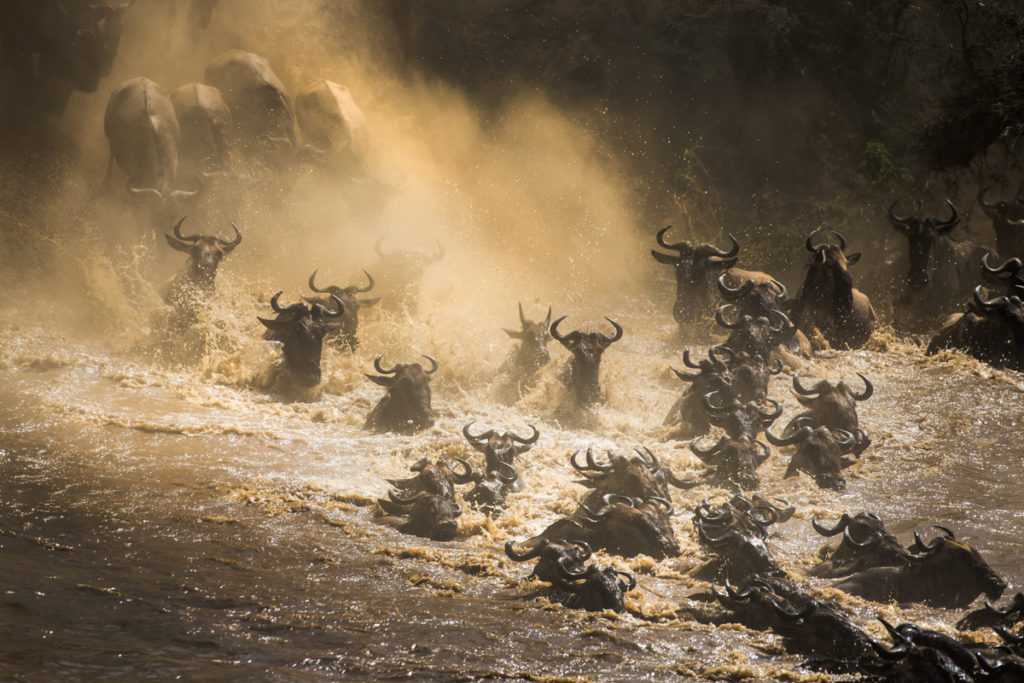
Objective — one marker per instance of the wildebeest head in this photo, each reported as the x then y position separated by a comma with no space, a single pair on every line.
921,235
206,252
819,453
348,296
735,460
301,330
695,266
492,488
958,566
865,543
533,349
740,419
1007,221
828,280
755,299
405,408
429,515
630,526
594,589
88,55
435,477
1007,276
737,537
755,336
501,448
832,405
641,476
750,375
584,368
714,377
990,615
822,629
551,555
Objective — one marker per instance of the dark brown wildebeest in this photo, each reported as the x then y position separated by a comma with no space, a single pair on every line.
526,360
405,408
205,123
942,271
300,330
756,298
400,273
619,525
333,125
429,515
736,535
944,573
259,102
695,267
990,615
190,288
828,300
991,331
735,461
144,136
550,555
593,589
742,420
1008,222
346,337
437,478
833,406
642,477
714,377
501,449
755,336
819,453
1006,277
582,373
865,544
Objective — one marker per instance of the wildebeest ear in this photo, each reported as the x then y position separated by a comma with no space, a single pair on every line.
513,333
369,302
852,258
664,258
383,381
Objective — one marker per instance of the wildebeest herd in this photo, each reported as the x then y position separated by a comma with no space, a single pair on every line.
173,147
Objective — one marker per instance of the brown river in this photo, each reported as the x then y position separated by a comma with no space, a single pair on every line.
170,509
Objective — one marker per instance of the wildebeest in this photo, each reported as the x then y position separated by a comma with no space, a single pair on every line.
742,420
642,477
189,288
334,126
620,525
400,272
990,615
1006,277
500,450
347,333
144,136
833,406
755,298
259,102
405,407
300,330
429,515
582,373
865,543
942,271
550,555
437,478
714,377
593,589
828,301
57,47
695,269
205,123
1008,222
525,361
735,461
945,573
819,453
991,331
736,535
755,336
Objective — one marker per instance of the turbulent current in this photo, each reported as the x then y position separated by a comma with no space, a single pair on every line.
171,507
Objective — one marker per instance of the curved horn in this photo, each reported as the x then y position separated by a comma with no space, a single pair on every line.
844,521
312,283
339,308
798,435
586,470
689,363
952,220
226,245
1012,267
395,498
369,286
570,574
868,389
769,416
728,355
378,368
949,534
842,240
593,463
669,510
466,475
871,540
554,329
809,244
477,438
506,477
794,616
896,220
731,293
989,306
782,291
735,249
273,303
984,204
700,452
522,318
799,389
618,332
533,552
660,237
184,238
433,365
720,318
532,439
